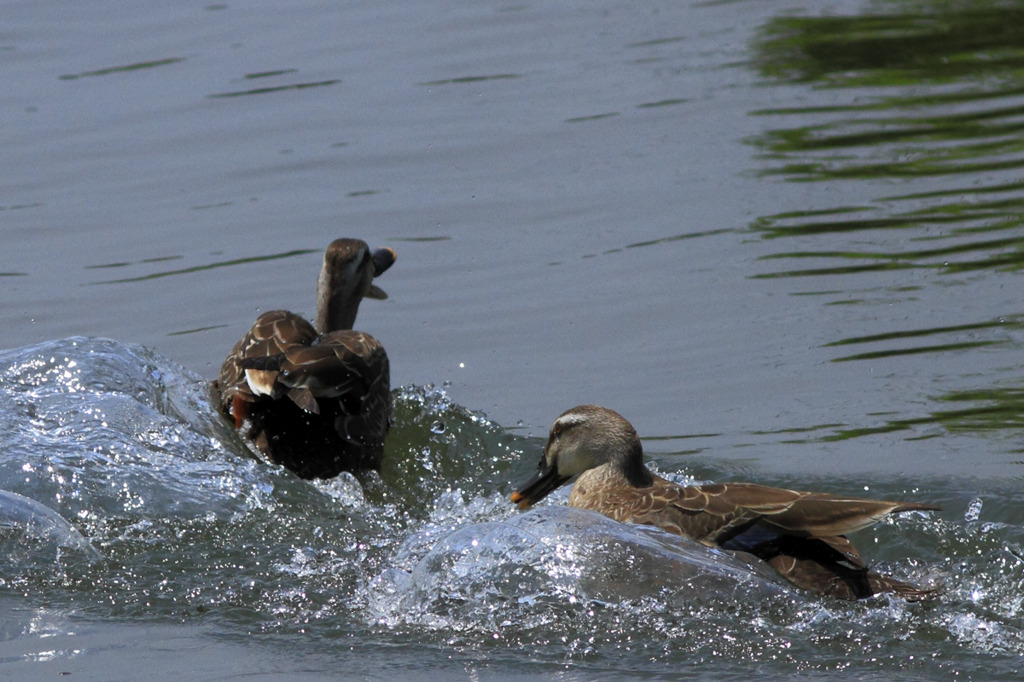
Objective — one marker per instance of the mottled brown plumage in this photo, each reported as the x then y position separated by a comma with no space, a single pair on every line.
316,400
802,535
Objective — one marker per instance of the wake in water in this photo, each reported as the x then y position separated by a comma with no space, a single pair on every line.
124,496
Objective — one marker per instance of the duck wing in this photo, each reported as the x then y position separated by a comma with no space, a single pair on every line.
342,364
715,513
273,333
800,534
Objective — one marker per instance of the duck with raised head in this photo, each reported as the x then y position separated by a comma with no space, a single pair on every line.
802,535
315,398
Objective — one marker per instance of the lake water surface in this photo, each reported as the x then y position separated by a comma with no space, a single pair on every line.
783,238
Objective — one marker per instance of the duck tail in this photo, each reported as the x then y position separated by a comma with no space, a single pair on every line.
881,584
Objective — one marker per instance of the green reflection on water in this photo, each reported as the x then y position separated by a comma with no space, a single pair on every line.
905,337
199,268
935,41
936,93
1014,323
995,409
988,410
270,89
122,69
197,330
471,79
927,97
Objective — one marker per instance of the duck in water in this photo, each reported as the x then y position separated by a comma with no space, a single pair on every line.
802,535
315,398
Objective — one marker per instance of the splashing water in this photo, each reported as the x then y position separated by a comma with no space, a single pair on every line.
125,498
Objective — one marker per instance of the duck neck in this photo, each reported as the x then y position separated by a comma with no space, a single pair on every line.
638,475
333,317
336,306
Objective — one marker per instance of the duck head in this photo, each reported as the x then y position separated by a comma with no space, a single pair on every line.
585,437
346,278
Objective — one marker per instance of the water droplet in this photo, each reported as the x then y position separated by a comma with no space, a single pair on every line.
973,510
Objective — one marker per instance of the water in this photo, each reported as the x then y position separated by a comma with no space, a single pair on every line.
138,506
781,238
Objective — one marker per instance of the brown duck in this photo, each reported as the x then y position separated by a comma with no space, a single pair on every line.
315,399
802,535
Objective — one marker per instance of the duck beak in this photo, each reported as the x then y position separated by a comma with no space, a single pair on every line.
539,486
382,260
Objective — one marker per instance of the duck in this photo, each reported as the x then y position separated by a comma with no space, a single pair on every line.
801,535
315,398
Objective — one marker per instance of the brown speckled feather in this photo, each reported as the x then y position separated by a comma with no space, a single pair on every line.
272,334
802,535
317,403
709,513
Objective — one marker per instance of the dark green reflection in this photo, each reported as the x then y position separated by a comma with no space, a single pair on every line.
266,90
993,409
964,254
1013,323
934,41
122,69
936,93
197,330
926,97
269,74
985,409
472,79
199,268
909,342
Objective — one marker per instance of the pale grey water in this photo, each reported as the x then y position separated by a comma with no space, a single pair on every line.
794,261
